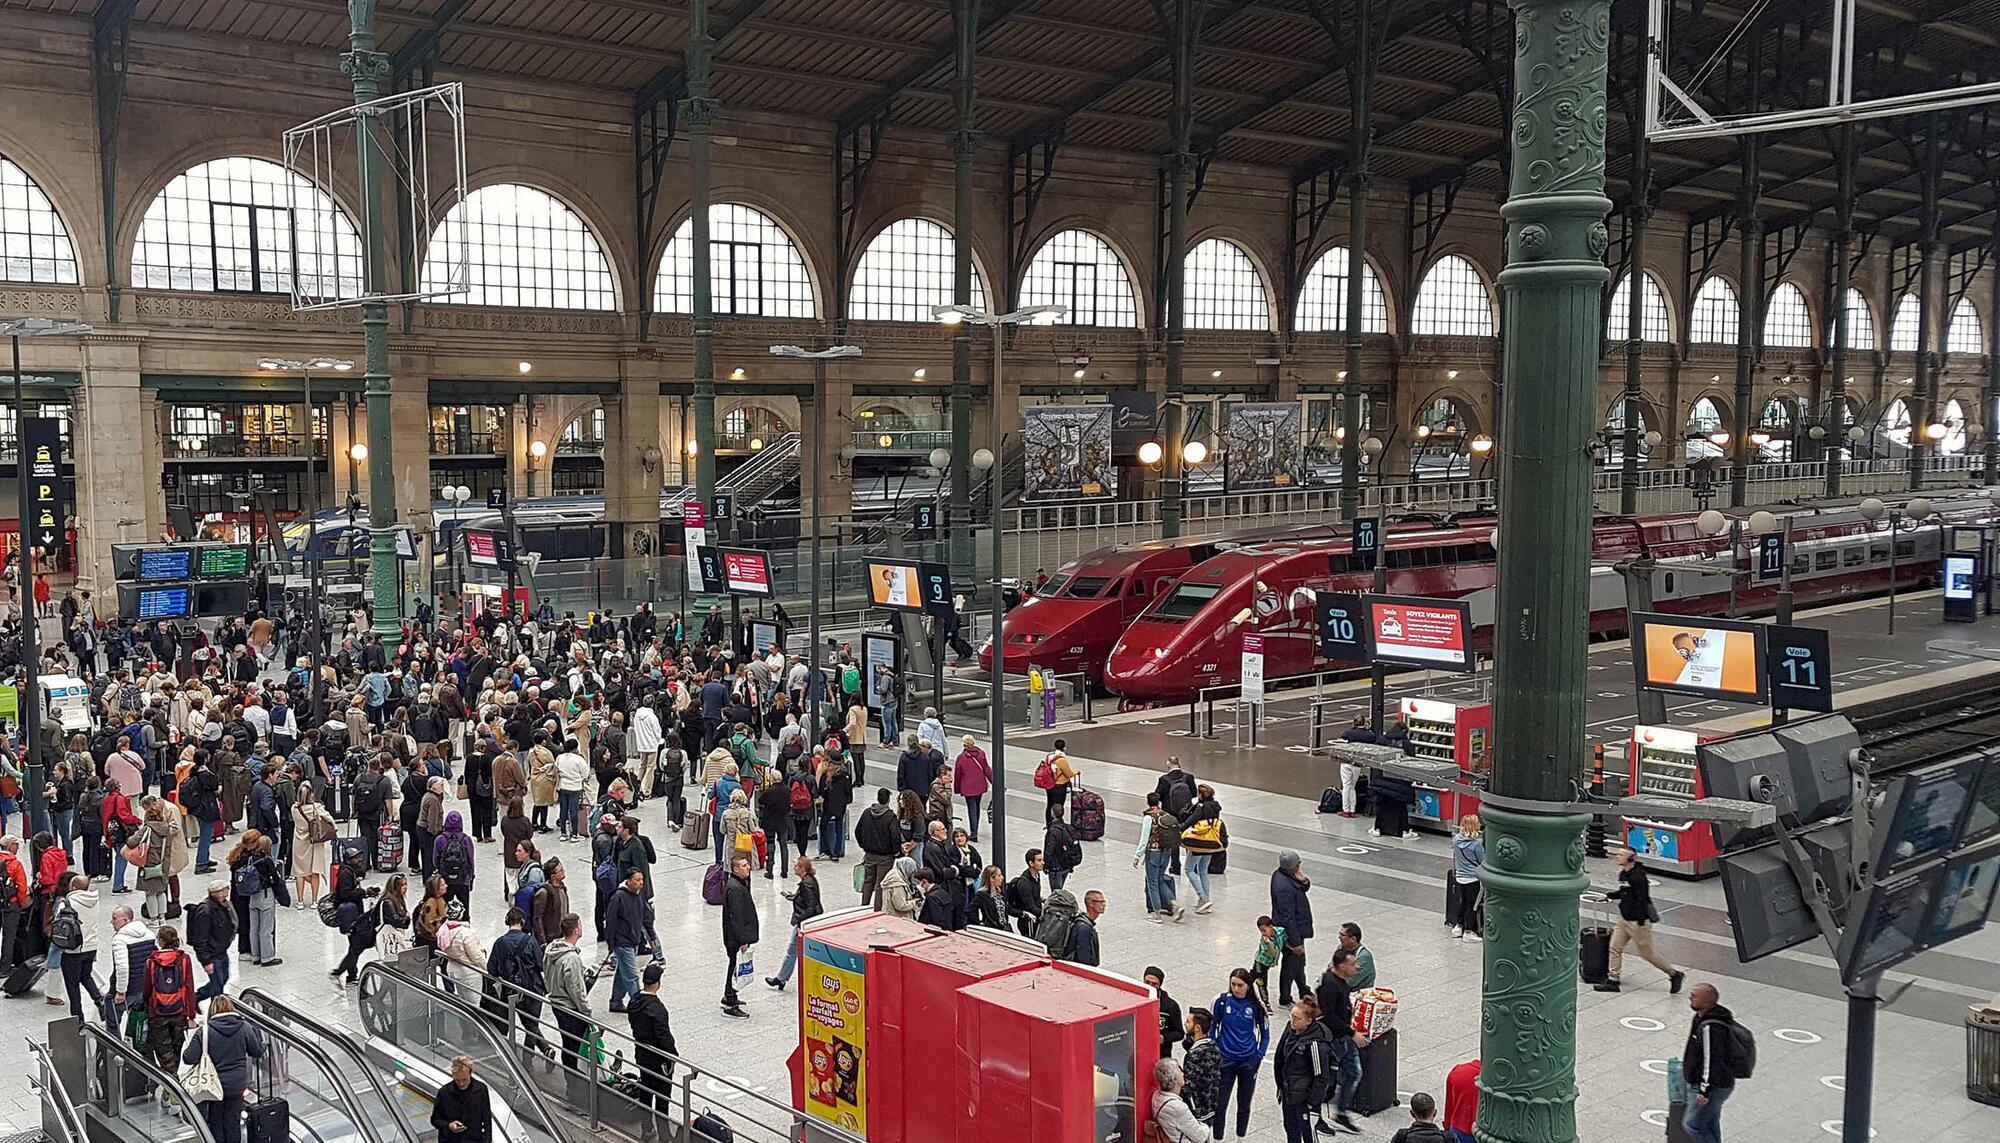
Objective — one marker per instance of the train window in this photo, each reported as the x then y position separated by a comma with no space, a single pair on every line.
1905,549
1186,601
1878,553
1138,587
1825,560
1085,587
1853,556
1670,583
1801,562
1055,585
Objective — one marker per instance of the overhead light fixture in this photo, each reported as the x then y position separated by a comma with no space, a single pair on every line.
1451,374
920,374
1194,452
358,450
1718,439
1150,452
885,440
1215,373
1342,375
756,444
1482,444
693,448
1760,438
538,449
525,366
1423,431
736,374
1937,432
1077,375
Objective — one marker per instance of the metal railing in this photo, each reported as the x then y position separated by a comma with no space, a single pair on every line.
114,1068
221,446
614,1091
317,1085
262,1008
58,1109
450,442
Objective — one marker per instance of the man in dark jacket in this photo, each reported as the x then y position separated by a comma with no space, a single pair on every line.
1423,1109
462,1111
946,864
918,767
1636,915
1292,912
201,797
1024,895
1336,1010
655,1039
211,929
739,929
881,839
517,959
372,792
625,932
264,813
1083,943
1707,1064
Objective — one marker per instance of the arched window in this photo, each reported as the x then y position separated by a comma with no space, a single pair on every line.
246,224
1895,422
584,433
1078,271
34,243
1224,290
1712,319
1323,297
1453,301
1954,438
520,246
1903,335
1860,323
1787,322
1704,420
1962,335
1653,322
905,271
754,270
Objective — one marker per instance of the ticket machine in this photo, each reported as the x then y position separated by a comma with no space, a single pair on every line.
1663,762
1459,733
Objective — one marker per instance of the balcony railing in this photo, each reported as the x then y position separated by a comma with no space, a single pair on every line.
448,442
901,440
580,446
223,446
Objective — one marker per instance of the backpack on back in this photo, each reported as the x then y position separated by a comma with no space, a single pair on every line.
524,897
712,884
606,875
167,985
1742,1050
802,798
1059,914
247,882
455,864
1045,773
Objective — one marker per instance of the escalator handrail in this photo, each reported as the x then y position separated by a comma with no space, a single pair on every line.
72,1122
264,1002
135,1058
350,1100
477,1020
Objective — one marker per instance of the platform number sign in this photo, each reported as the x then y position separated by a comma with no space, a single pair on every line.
1800,664
923,522
496,497
936,583
1343,629
1367,542
1770,557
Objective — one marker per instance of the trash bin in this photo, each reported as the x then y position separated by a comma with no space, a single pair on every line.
1982,1062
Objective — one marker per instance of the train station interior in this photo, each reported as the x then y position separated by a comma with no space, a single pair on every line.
1004,287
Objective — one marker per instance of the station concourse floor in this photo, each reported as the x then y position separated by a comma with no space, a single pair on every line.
1393,889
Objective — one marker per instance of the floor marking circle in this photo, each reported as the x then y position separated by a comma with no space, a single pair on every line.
1177,733
1837,1083
1657,1067
1641,1024
1797,1036
1836,1127
1298,750
1654,1116
1353,849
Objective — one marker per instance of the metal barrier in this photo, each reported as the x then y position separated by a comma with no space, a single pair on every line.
261,1007
125,1084
614,1092
60,1122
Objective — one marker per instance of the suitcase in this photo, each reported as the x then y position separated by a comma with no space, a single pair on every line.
388,848
694,832
24,977
1594,949
269,1120
1086,813
345,847
1377,1089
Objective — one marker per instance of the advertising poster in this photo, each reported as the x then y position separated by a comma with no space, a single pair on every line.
1653,841
894,585
694,537
1067,451
1263,446
1134,421
1420,632
1961,588
1703,657
833,1030
1253,668
877,650
746,573
1116,1080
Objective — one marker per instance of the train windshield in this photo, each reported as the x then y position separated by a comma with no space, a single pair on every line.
1186,601
1085,587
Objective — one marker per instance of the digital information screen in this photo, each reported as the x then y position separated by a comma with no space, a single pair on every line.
763,636
1418,632
1965,896
231,561
163,602
1714,658
1889,923
1920,815
482,549
1982,817
746,573
157,564
877,650
894,584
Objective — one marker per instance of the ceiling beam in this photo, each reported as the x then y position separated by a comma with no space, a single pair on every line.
942,58
670,83
424,46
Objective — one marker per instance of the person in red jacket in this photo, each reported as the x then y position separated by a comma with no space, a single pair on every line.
117,808
169,1003
51,874
14,903
1461,1100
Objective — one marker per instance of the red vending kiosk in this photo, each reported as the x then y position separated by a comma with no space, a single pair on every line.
1035,1048
1461,734
843,1053
1662,760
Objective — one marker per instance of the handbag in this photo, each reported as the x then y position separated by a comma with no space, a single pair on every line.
392,942
1203,836
199,1078
746,968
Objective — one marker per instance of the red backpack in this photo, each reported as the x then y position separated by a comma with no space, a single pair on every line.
802,798
169,989
1045,773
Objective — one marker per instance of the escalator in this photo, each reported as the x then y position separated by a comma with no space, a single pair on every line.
385,1091
61,1123
333,1097
127,1096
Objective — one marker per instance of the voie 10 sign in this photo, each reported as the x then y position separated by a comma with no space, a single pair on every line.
1343,627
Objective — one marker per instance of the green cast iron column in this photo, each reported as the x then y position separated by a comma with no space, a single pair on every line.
1360,76
1640,212
1180,165
367,68
1835,441
1930,314
964,145
698,112
1554,282
1990,417
1749,321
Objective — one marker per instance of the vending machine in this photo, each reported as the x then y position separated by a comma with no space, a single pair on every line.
1458,733
1662,759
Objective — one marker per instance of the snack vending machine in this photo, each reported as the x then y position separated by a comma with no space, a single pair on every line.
1461,734
1662,759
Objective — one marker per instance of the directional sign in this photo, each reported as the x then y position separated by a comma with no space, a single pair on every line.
41,444
1801,666
1343,627
1367,542
1770,556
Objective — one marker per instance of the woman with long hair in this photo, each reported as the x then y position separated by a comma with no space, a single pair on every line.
1468,854
1242,1033
313,830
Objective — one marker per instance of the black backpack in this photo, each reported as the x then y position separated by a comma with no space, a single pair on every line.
1742,1047
455,864
1329,800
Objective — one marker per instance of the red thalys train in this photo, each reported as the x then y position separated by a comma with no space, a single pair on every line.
1190,637
1071,623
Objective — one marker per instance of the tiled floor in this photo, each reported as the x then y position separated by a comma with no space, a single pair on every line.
1391,889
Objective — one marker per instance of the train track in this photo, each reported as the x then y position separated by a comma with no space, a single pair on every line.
1902,735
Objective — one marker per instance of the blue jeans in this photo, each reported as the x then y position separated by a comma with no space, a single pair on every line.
833,835
65,830
1704,1124
625,975
1458,1136
972,814
1197,873
1159,891
715,835
1057,880
791,956
206,830
892,724
1347,1063
218,975
118,870
1242,1076
567,801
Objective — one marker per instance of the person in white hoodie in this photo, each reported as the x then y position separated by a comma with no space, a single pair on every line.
131,943
81,901
645,746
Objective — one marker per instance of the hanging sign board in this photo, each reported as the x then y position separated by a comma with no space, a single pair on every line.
41,444
694,537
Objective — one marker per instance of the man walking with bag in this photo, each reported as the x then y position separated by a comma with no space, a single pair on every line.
1636,917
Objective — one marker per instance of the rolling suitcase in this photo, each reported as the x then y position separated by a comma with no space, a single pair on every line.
388,847
24,977
344,847
1377,1090
1594,951
694,832
1086,813
269,1120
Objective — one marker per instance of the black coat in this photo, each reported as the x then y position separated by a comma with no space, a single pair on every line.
878,832
1303,1065
232,1043
211,929
201,795
739,914
625,920
1290,910
805,901
470,1106
1024,896
654,1035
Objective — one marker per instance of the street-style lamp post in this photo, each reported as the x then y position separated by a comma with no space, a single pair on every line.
1554,287
314,584
33,778
816,676
991,462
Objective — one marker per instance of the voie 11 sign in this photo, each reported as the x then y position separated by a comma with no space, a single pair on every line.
1799,661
